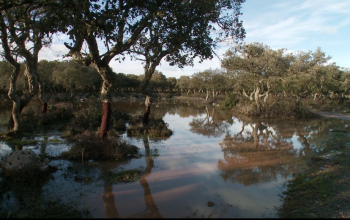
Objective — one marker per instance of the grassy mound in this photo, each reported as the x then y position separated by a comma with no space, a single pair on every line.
89,145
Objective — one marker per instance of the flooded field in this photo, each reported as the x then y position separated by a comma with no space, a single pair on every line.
214,165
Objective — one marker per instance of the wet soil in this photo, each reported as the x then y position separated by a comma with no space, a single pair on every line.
323,191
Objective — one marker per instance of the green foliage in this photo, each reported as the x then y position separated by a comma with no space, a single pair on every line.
168,96
89,145
230,101
33,119
89,118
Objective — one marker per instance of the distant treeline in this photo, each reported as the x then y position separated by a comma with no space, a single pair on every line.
253,71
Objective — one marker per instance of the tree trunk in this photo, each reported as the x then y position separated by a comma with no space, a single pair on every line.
256,96
207,97
21,103
147,111
107,75
106,119
15,114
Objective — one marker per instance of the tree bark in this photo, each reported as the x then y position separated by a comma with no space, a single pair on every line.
21,104
106,119
15,116
147,110
16,101
256,96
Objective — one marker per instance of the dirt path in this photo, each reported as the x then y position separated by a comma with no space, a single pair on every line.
333,115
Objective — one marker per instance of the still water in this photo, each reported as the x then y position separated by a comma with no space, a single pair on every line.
214,165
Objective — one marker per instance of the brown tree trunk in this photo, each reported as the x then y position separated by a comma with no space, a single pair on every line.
14,123
147,110
17,107
109,201
106,119
15,114
207,97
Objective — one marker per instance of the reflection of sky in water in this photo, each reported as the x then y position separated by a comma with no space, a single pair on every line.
51,149
4,149
185,176
48,145
296,144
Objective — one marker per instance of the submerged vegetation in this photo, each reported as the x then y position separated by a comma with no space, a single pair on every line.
89,145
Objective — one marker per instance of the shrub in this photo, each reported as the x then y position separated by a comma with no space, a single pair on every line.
89,145
275,107
168,96
33,119
89,118
230,101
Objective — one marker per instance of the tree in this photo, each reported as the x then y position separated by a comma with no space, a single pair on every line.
171,83
119,24
76,77
181,31
209,80
5,73
257,69
183,83
25,29
126,23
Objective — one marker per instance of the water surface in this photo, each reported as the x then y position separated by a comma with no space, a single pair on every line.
214,165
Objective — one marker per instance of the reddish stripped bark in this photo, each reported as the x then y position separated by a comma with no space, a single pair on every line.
106,119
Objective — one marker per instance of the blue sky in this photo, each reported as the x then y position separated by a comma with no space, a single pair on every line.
291,24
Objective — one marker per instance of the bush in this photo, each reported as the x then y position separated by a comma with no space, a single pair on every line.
89,118
275,107
89,145
230,101
33,119
168,96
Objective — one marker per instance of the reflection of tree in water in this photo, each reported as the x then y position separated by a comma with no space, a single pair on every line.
313,133
261,152
213,124
151,208
257,155
188,111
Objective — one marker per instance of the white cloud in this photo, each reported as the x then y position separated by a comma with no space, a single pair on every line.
54,52
290,24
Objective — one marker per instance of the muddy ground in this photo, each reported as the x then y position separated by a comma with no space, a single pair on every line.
323,191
